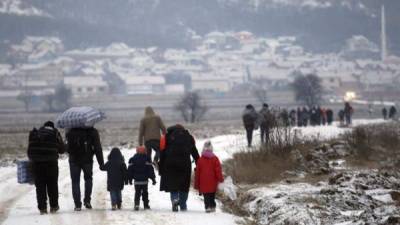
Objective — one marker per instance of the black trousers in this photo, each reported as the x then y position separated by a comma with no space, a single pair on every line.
209,200
75,171
155,145
264,132
249,135
46,182
141,191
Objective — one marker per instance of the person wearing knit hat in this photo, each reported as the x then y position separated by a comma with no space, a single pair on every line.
141,170
208,175
208,146
141,150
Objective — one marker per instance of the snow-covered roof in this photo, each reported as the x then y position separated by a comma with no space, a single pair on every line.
209,77
137,80
19,7
35,66
35,83
84,81
5,69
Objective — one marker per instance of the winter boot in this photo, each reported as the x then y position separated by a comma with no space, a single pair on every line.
114,207
175,205
119,205
88,205
54,209
136,208
147,207
43,211
208,210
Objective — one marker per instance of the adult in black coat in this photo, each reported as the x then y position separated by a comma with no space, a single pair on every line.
265,123
45,144
116,176
384,113
82,145
250,122
329,116
392,112
175,166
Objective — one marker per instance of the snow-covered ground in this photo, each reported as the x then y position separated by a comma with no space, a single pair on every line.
18,202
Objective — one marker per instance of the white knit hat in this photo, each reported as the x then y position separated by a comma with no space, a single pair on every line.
207,146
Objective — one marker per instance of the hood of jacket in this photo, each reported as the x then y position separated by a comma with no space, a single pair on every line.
148,112
208,154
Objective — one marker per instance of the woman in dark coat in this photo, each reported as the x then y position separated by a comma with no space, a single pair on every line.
175,167
116,177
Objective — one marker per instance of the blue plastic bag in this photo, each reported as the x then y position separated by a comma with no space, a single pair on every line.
25,172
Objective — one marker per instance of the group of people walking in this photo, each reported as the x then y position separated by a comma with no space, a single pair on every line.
267,118
174,149
392,114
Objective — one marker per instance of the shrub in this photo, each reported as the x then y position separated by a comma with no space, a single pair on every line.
267,163
375,142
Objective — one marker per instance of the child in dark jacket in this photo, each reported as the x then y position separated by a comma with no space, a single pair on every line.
116,177
141,170
208,175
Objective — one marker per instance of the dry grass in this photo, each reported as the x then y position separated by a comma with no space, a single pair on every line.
375,142
267,163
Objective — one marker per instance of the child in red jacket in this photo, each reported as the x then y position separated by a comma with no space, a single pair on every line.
208,175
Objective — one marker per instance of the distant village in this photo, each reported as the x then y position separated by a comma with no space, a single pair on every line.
217,63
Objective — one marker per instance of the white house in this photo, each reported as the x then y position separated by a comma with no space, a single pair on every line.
83,86
144,84
210,82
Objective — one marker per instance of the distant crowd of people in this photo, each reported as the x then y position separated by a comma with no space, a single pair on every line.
392,115
267,118
174,149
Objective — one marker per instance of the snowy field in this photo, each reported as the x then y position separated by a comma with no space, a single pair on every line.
18,202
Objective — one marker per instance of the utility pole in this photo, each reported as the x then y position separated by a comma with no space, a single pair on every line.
383,34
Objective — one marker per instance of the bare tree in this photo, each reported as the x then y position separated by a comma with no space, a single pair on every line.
63,97
191,107
260,90
308,89
49,99
26,97
59,100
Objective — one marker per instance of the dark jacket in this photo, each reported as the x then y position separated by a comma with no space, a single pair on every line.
348,110
45,144
83,144
175,165
329,115
265,118
116,174
140,169
250,117
392,112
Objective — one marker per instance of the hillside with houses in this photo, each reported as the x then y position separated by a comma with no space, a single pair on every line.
219,63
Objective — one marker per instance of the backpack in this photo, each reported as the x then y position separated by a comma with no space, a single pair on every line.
163,142
43,145
79,142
